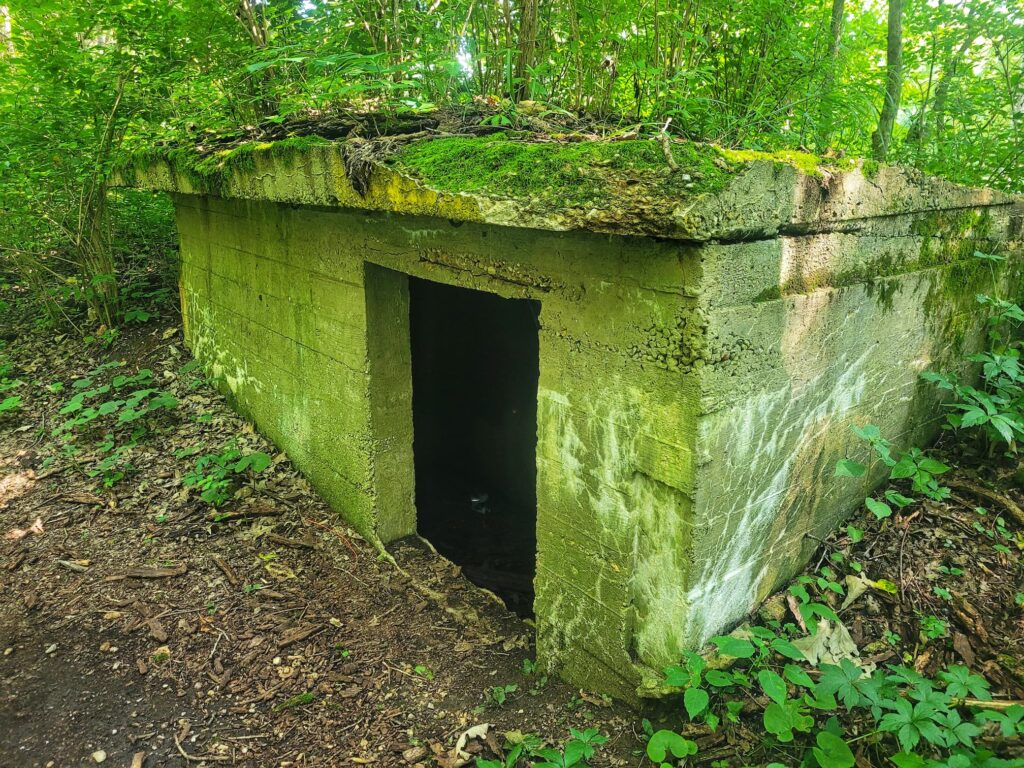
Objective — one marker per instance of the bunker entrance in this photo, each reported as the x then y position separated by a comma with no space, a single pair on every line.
475,365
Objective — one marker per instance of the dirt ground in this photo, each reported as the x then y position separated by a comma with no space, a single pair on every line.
136,626
140,626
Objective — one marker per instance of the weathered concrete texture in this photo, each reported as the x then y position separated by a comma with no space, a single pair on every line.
693,396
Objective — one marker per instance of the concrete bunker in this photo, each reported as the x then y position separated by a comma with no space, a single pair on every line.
709,336
475,364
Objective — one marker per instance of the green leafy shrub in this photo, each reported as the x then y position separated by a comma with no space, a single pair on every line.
116,414
215,474
915,720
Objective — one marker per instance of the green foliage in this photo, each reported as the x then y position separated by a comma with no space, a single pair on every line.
899,712
912,465
498,694
114,411
574,753
216,474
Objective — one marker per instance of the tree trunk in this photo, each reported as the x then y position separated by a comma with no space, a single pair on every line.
882,137
949,74
6,34
831,71
835,41
527,48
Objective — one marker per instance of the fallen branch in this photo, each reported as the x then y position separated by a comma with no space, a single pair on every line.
194,759
979,490
666,146
155,573
227,570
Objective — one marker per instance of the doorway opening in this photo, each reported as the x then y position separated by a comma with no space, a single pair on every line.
475,365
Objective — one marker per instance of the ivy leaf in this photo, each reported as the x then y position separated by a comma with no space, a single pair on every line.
787,649
832,751
718,678
676,676
797,676
879,509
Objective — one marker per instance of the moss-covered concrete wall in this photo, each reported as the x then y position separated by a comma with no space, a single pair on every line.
312,344
695,389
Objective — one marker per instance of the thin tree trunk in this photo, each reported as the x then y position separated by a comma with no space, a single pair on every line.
950,71
831,69
6,34
527,47
881,139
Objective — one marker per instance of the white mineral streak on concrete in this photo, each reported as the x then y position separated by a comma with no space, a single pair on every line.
725,586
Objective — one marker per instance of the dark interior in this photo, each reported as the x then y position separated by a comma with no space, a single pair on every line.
475,364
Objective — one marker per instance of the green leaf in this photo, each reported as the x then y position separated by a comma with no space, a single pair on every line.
847,468
773,685
663,742
832,751
878,508
718,678
696,701
905,467
734,646
908,760
787,649
797,676
933,466
676,676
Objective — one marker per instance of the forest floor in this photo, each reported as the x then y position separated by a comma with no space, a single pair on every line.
141,627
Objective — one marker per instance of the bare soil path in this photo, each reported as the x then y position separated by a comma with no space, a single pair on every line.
137,627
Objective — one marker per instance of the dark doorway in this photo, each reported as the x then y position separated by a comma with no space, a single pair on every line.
475,364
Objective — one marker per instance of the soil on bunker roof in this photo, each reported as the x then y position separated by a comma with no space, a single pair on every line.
137,624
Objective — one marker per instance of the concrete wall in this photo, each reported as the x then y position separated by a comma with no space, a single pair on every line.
302,314
693,398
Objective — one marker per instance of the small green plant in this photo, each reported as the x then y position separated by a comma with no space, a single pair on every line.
933,628
424,671
498,695
921,470
574,753
215,474
995,408
299,700
117,410
915,720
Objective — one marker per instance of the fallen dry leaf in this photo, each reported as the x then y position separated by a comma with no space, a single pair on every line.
36,529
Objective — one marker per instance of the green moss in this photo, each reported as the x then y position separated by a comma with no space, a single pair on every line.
209,171
563,174
870,168
807,164
949,236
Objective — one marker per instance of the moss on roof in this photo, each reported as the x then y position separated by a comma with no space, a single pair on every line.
573,174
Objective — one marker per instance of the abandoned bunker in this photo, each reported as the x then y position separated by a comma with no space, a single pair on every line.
611,387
